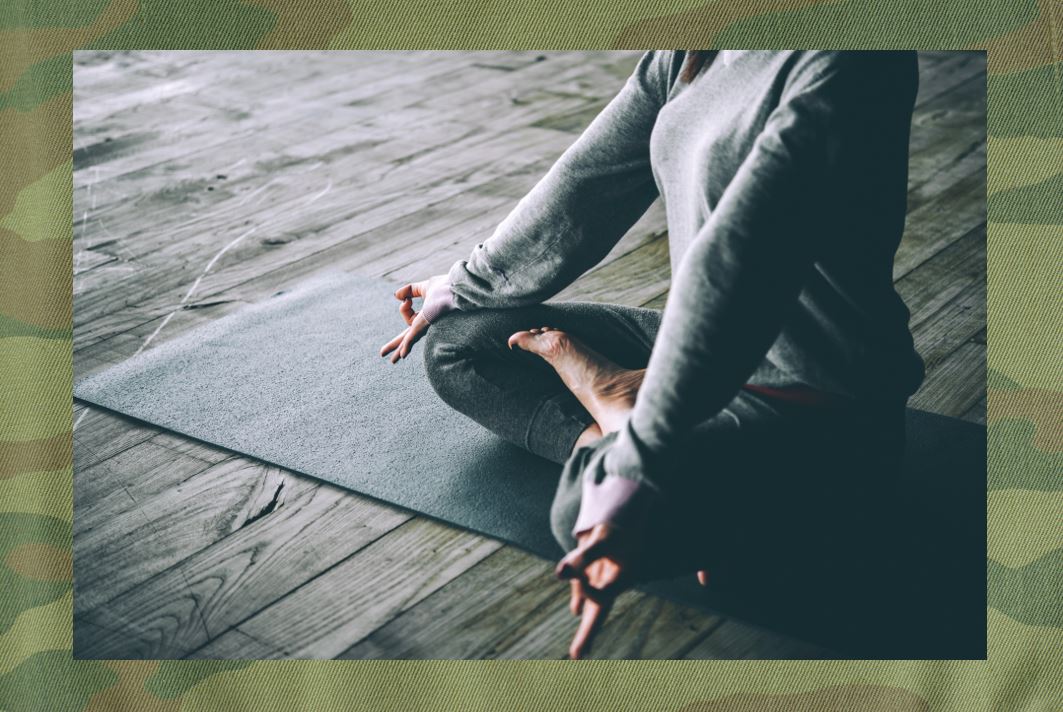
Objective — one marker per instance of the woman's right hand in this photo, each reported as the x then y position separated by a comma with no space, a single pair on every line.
417,325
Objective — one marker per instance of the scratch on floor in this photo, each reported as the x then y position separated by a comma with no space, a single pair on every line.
319,195
192,289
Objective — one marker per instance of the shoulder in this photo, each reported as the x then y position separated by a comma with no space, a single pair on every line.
657,72
853,60
850,77
882,69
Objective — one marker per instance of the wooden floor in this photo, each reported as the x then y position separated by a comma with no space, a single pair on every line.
207,181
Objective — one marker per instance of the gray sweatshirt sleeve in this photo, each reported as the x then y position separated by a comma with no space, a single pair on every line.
746,265
571,218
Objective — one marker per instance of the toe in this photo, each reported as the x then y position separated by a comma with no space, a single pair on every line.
521,339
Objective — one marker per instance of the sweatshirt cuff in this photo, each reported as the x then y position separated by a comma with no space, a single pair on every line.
439,302
620,482
616,500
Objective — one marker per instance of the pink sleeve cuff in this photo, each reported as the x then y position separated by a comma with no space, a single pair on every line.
615,500
439,301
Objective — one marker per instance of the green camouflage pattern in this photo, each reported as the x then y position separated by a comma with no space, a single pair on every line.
1025,397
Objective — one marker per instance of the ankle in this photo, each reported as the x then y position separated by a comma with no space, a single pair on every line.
591,433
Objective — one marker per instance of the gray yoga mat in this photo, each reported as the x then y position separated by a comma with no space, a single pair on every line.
297,381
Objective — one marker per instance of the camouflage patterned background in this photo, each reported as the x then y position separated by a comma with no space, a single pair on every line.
1025,402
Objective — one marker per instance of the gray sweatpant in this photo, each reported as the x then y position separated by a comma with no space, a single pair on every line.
764,479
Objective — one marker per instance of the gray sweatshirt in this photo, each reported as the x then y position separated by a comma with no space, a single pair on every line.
784,179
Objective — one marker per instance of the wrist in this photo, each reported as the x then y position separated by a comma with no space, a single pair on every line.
439,301
617,501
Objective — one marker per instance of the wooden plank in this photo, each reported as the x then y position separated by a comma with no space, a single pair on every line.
547,634
237,645
151,333
655,629
257,102
956,384
147,467
735,640
429,97
473,616
505,598
374,218
182,243
957,269
99,435
86,259
631,279
168,526
648,229
314,528
942,74
656,302
328,614
938,223
977,412
956,323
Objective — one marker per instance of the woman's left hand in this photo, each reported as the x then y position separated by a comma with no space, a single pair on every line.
606,562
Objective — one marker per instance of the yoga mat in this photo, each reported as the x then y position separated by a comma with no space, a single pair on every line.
297,381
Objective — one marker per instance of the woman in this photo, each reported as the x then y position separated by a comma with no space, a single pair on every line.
769,394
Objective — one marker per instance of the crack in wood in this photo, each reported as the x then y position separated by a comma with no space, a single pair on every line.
267,510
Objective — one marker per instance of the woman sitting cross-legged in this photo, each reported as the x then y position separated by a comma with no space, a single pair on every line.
763,409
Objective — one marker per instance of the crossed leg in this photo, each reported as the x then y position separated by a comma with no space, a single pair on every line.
546,390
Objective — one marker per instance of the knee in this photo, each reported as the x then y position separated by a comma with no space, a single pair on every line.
451,343
562,520
441,351
566,504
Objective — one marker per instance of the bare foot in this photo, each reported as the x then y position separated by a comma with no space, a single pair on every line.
605,389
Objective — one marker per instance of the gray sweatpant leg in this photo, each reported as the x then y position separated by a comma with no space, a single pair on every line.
757,468
516,394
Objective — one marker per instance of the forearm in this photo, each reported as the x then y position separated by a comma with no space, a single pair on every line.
596,190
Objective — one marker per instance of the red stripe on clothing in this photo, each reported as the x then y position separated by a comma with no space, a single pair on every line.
798,394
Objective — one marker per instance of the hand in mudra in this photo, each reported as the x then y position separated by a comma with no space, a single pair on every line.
417,325
607,561
600,567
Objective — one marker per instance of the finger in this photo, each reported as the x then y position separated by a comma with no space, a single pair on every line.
409,291
393,344
575,601
577,560
397,354
604,591
413,335
594,615
404,347
407,312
